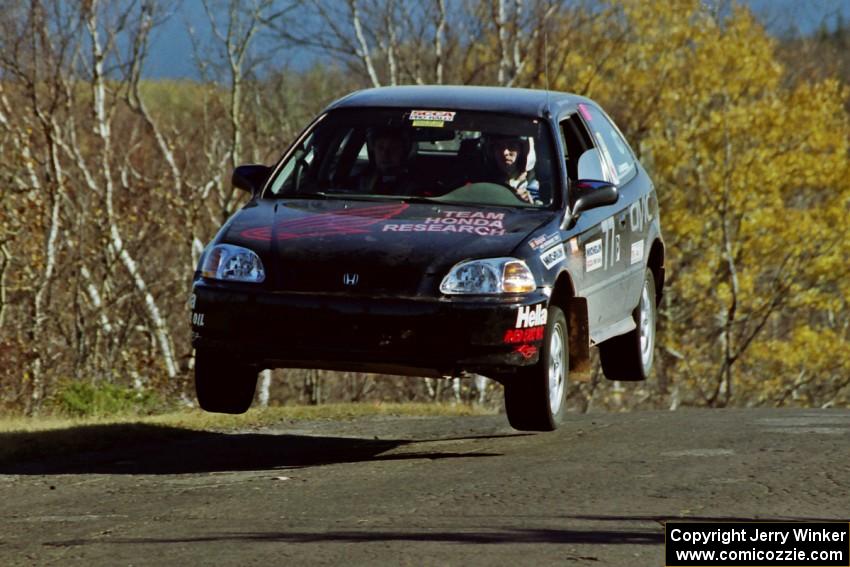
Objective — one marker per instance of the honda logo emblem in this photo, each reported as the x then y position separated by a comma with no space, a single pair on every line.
350,279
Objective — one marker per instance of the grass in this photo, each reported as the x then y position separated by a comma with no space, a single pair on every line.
198,420
24,439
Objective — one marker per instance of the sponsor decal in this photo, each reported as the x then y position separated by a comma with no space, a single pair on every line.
192,300
527,351
637,252
537,241
469,222
553,256
432,115
640,213
610,244
514,336
348,221
197,319
593,255
544,241
531,316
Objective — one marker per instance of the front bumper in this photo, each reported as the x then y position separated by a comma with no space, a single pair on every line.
372,334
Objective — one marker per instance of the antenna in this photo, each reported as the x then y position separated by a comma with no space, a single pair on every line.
546,59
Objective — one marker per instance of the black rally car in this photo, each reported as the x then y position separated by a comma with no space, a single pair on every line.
432,231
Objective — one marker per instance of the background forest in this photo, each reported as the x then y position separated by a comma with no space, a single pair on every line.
111,184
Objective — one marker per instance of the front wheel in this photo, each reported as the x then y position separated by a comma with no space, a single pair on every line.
535,399
222,384
628,358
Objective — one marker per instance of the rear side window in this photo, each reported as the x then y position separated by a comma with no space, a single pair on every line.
616,153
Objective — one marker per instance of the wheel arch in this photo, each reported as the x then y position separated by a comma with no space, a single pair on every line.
656,264
575,311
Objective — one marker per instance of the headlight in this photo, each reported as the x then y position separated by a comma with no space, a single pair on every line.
491,276
232,263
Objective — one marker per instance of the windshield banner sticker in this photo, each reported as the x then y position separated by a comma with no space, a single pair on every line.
553,256
470,222
430,118
593,255
432,115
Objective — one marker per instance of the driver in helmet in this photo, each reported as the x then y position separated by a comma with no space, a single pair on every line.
514,159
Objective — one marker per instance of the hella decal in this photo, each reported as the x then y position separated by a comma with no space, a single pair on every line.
527,316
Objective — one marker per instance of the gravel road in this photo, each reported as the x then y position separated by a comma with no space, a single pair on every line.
425,491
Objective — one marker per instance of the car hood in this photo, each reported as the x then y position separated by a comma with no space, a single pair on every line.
373,247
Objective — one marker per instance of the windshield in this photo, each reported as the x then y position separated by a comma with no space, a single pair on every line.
469,157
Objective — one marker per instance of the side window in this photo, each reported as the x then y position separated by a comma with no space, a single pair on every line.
293,171
615,152
576,141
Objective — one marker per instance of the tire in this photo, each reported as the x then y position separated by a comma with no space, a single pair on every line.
223,385
628,358
535,399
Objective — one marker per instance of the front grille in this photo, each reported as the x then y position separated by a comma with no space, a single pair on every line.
352,279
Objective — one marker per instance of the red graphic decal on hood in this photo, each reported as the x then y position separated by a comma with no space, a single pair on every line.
263,233
348,221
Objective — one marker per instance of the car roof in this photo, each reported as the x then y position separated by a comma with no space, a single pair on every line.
528,102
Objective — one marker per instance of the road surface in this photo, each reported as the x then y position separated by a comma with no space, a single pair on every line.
424,491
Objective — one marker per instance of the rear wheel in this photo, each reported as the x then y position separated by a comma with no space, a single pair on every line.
222,384
629,357
535,399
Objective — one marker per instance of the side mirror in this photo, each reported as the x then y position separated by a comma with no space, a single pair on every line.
590,194
250,178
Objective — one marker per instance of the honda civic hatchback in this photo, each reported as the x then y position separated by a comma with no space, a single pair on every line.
438,231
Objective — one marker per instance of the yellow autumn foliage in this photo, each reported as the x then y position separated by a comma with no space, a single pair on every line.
754,185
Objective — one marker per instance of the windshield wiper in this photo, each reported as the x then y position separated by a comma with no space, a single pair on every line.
316,195
363,197
421,199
